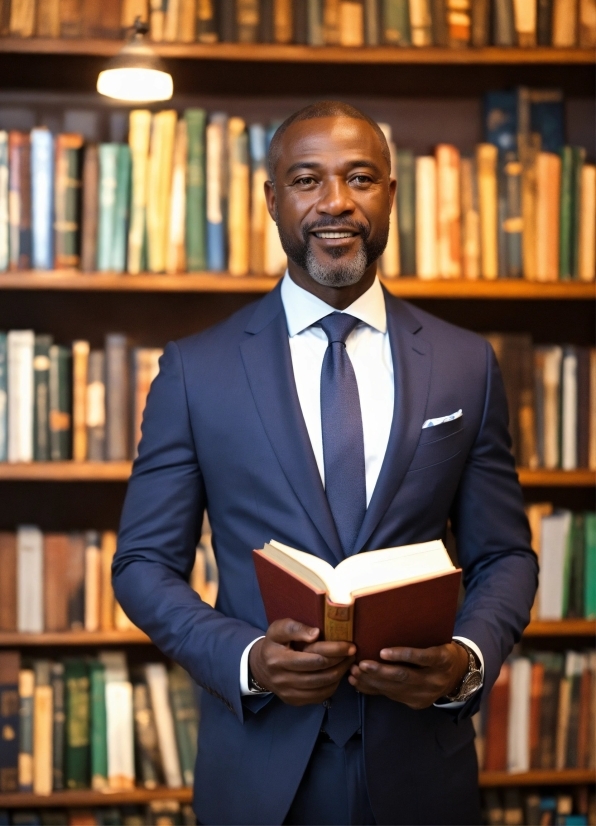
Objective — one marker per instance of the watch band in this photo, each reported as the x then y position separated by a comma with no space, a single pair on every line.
471,680
253,684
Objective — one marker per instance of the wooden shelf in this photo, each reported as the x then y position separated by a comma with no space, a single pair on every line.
89,797
557,478
10,639
408,287
561,628
270,52
539,777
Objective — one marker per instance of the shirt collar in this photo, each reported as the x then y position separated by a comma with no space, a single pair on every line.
303,309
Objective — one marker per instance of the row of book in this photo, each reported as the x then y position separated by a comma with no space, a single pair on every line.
91,723
71,402
186,194
451,23
514,807
62,581
540,714
565,544
155,813
551,394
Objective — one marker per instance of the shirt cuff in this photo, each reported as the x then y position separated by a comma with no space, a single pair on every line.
244,689
450,704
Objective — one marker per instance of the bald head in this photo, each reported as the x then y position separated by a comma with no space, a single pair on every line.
323,109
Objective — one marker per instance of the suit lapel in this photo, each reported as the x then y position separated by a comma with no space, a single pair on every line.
268,364
412,359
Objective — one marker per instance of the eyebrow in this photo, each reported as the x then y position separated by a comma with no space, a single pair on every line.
315,165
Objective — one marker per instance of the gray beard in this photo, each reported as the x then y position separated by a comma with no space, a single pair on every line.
339,273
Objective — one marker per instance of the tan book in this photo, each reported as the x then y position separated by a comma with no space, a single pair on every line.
420,23
564,23
587,24
535,513
90,208
139,135
176,248
131,9
146,368
529,149
426,217
470,220
282,21
351,23
108,549
43,714
22,18
159,183
239,198
55,597
75,581
448,211
331,22
258,218
48,18
71,18
486,159
156,20
592,426
8,581
275,257
524,18
93,576
170,28
548,200
587,224
26,696
80,361
551,377
187,21
390,258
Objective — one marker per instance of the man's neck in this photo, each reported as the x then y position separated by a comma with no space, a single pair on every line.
337,297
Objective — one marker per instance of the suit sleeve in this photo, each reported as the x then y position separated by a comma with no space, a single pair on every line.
493,540
159,530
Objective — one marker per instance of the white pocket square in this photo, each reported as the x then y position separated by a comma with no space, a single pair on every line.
442,419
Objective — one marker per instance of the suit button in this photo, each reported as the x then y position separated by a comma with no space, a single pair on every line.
327,703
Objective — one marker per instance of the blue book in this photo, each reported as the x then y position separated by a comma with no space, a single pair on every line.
547,117
3,201
42,185
216,196
500,119
121,208
3,400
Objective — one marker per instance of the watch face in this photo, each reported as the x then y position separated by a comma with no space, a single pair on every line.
472,682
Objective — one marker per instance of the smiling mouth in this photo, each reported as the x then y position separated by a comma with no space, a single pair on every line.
335,235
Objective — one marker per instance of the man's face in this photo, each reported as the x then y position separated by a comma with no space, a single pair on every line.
332,198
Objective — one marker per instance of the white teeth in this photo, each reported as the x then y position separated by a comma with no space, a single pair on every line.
334,234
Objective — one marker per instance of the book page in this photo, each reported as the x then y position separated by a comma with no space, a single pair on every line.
307,566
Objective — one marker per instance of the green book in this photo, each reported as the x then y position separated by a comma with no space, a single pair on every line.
98,736
590,566
195,191
76,758
41,398
121,208
186,720
573,595
396,23
60,402
406,211
67,201
108,184
58,725
579,157
566,214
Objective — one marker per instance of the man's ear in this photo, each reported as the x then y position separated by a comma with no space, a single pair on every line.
271,199
392,188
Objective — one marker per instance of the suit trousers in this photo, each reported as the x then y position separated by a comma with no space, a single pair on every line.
333,790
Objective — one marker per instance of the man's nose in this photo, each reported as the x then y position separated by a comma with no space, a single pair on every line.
335,198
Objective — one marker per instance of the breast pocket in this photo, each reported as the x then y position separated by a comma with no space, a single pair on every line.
438,444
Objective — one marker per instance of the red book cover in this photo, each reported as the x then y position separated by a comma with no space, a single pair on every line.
496,723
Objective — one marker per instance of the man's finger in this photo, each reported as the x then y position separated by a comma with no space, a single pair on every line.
300,661
288,630
425,657
332,650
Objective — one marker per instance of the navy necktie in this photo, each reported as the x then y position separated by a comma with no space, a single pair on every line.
345,482
343,439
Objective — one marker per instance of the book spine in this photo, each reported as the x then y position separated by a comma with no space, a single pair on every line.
566,214
396,23
131,9
426,217
247,21
503,26
20,349
121,205
448,211
579,156
196,217
25,760
92,581
98,735
206,28
151,772
120,728
55,598
158,195
3,398
420,22
80,362
186,721
22,18
569,409
156,20
75,581
58,725
587,24
266,34
157,681
513,225
339,621
524,16
529,149
95,406
19,200
108,166
372,24
29,580
227,21
351,23
283,28
9,720
42,179
138,139
176,245
459,23
67,204
440,27
170,29
544,22
41,394
42,739
117,391
480,23
564,32
502,259
587,224
108,549
470,220
60,402
258,213
8,581
548,199
216,252
486,158
90,209
239,198
390,258
187,21
76,758
590,567
4,211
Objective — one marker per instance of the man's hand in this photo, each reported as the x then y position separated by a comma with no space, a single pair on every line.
422,676
299,677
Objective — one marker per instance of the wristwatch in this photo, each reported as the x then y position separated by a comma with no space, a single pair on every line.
472,678
253,685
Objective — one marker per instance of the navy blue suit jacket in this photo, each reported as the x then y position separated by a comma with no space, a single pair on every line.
223,430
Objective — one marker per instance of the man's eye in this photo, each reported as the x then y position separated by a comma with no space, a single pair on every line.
361,179
306,180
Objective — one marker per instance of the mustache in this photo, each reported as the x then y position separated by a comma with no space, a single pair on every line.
343,223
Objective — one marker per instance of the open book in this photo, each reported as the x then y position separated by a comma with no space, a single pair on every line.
378,599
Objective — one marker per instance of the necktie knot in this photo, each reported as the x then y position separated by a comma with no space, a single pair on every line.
338,326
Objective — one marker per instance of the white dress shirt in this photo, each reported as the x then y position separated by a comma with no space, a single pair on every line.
369,350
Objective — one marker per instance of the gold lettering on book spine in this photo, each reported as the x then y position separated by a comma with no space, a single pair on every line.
339,622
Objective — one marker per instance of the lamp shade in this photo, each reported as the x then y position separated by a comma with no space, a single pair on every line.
136,74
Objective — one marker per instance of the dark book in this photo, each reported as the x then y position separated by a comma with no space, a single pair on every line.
67,217
4,18
513,215
163,813
186,720
76,758
60,402
553,670
573,599
497,714
75,581
544,22
117,397
206,22
147,744
571,756
500,119
101,18
90,208
513,809
440,30
579,157
10,662
247,21
396,23
377,599
96,406
373,25
536,689
480,23
26,715
58,725
300,22
98,736
503,28
584,727
41,398
502,249
583,406
227,21
266,21
547,118
406,211
493,807
8,581
19,201
70,18
55,567
195,190
532,809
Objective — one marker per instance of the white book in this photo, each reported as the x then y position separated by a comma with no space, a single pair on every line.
569,410
29,579
20,346
43,713
518,724
157,680
426,217
120,737
553,543
552,387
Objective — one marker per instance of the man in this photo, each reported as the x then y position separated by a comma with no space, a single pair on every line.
334,432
